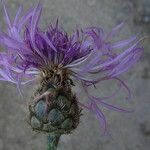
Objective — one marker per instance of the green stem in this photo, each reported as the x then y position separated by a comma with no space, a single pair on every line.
52,141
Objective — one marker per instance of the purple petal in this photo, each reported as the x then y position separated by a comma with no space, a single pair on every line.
115,30
7,17
35,20
48,41
101,118
127,62
118,58
125,86
11,43
16,20
123,43
25,18
115,108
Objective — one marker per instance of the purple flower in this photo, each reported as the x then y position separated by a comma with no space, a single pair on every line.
88,54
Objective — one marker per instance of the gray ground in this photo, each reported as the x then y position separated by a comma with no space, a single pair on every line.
129,131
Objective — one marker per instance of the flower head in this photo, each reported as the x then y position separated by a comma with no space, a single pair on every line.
88,55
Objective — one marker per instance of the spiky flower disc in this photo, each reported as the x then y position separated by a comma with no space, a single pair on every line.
88,56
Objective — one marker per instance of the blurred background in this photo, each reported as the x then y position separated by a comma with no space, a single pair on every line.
129,131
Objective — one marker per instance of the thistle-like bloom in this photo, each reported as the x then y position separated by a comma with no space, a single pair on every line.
88,55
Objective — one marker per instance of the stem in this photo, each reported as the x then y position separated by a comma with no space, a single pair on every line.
52,141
